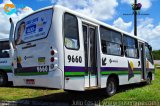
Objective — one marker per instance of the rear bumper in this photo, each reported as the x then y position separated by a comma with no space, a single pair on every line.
51,80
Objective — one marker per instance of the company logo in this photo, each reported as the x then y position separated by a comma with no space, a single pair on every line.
114,61
28,57
9,9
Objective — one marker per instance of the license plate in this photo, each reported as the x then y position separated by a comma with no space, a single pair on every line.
30,81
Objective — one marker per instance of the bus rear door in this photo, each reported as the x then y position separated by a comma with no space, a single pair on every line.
90,49
143,60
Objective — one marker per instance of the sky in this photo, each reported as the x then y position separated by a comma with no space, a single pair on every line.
112,12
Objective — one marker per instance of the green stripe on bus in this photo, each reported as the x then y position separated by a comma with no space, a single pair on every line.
32,73
6,68
119,72
74,73
137,72
103,73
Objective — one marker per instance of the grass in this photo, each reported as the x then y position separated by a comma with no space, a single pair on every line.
142,93
134,92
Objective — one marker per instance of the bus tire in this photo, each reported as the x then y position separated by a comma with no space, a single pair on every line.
112,86
149,79
3,79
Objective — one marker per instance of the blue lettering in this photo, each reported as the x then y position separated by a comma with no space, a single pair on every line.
31,29
32,21
40,29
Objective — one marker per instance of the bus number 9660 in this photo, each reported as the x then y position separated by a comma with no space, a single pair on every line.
74,59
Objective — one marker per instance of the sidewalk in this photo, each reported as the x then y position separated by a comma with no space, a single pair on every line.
157,62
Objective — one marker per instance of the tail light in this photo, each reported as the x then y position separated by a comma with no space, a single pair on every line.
52,59
52,52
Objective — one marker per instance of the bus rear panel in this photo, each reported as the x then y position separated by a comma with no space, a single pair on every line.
36,62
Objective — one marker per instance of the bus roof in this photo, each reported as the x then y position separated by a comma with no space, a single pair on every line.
87,18
96,21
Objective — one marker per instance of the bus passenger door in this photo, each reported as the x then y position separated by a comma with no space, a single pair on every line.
143,60
90,52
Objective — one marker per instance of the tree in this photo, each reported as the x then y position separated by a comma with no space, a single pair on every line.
156,54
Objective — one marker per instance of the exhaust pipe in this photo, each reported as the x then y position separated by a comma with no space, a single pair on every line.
11,41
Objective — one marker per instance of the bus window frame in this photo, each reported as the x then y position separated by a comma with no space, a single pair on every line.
27,17
150,53
64,33
122,49
128,46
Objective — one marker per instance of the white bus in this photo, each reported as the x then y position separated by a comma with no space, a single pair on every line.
56,47
6,74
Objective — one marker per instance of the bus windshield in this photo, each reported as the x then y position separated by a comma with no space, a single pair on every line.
33,27
4,49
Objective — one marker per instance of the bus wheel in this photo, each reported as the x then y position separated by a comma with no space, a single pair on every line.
149,79
112,85
3,79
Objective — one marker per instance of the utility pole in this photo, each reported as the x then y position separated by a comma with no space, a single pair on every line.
136,8
135,18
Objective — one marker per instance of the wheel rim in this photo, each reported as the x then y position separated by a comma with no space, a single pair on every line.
1,79
111,87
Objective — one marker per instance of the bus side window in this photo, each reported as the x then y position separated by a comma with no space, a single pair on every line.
111,41
103,43
130,47
71,36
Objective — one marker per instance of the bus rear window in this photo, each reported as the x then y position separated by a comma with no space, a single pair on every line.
33,27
